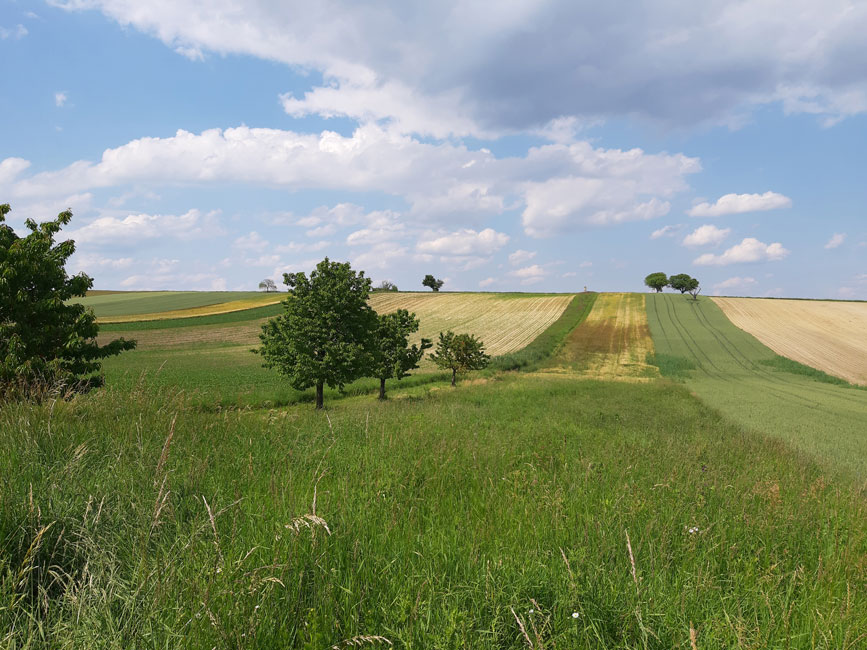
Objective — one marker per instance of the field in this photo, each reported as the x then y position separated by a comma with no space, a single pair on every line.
150,305
210,355
736,374
831,336
693,490
613,343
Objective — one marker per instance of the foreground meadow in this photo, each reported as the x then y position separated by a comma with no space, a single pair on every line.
521,512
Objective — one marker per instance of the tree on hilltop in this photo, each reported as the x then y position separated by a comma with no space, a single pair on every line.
385,285
685,284
656,281
459,353
323,335
268,285
432,282
46,342
393,357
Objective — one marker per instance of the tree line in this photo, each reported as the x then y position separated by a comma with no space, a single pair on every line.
328,334
680,282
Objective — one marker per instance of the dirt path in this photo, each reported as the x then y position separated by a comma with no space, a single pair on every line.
830,336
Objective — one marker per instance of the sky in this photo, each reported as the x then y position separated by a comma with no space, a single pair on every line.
517,145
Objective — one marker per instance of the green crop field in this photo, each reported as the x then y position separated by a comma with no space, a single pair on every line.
732,371
145,302
196,501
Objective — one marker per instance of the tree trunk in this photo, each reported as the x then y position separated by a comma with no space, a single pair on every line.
381,388
454,374
320,387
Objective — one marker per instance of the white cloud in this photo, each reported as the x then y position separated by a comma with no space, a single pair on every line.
18,32
706,236
461,67
569,274
666,231
736,282
463,242
252,241
740,203
10,168
561,187
521,257
486,282
835,241
529,274
60,99
749,250
91,263
134,228
585,265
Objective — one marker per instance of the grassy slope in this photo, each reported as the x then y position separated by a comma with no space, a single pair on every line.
446,512
733,372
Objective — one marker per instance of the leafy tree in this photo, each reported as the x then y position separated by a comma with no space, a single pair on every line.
268,285
683,283
657,281
46,342
385,285
432,282
459,353
324,334
694,289
393,356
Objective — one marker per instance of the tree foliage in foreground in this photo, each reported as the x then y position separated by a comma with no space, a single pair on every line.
46,342
459,353
393,357
656,281
432,282
323,335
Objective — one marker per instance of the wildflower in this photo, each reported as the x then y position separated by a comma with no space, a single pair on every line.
693,530
531,611
576,615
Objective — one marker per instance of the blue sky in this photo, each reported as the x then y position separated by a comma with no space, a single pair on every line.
517,145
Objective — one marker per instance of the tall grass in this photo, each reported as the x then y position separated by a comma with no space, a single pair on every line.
623,516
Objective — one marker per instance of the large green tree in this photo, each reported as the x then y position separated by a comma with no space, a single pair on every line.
393,357
656,281
46,342
325,333
682,282
459,353
432,282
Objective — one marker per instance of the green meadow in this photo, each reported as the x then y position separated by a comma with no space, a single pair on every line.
197,502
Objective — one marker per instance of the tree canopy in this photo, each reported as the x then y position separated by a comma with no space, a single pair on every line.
656,281
323,335
268,285
393,357
46,342
459,353
682,282
432,282
385,285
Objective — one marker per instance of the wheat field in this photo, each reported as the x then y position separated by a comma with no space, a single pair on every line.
826,335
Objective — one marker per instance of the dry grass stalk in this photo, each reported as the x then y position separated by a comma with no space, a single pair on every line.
631,560
358,641
165,453
213,528
693,637
310,522
522,628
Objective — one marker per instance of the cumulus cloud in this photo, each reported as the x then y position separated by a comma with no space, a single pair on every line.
18,32
529,274
92,263
60,99
462,67
464,242
740,203
706,236
521,257
749,250
835,241
134,228
561,187
486,282
666,231
736,282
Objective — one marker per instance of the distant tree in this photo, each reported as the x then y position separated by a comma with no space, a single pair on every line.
385,285
657,281
268,285
393,357
46,341
324,335
694,289
459,353
681,282
432,282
